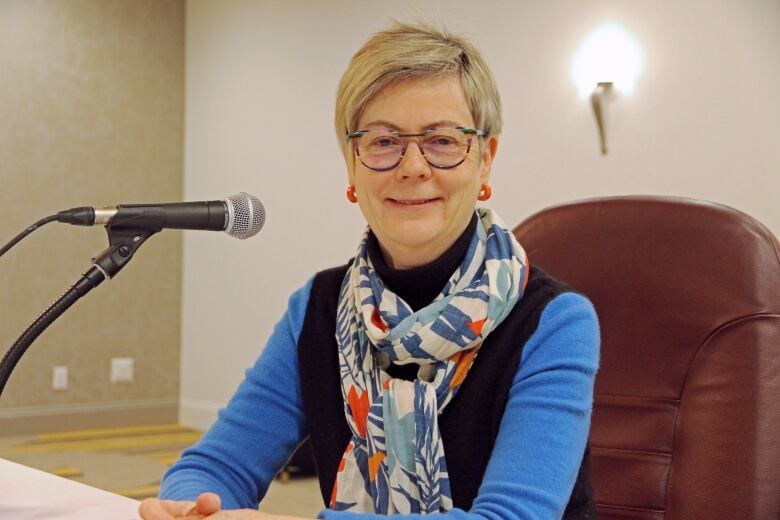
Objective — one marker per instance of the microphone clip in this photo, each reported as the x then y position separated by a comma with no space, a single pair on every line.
123,243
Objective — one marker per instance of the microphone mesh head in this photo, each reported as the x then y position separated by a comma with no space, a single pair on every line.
246,215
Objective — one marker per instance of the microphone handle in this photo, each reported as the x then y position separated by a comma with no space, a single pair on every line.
209,215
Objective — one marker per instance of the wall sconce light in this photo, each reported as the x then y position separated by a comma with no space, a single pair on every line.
609,59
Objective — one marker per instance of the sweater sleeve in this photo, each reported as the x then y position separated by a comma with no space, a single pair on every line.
265,413
544,430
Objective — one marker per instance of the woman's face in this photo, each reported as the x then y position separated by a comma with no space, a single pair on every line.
416,210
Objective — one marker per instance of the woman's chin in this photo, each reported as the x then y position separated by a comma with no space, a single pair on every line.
414,234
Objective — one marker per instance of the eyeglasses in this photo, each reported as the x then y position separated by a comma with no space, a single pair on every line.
382,149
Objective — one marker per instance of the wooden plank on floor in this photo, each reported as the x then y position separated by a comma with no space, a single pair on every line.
98,433
182,439
138,492
67,471
167,458
146,451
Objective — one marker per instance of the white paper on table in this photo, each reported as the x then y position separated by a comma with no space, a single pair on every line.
31,494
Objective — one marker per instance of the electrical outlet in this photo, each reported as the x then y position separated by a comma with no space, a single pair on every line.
121,369
59,378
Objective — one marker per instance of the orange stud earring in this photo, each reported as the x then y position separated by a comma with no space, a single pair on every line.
351,194
484,192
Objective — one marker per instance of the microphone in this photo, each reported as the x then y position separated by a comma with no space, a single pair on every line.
241,216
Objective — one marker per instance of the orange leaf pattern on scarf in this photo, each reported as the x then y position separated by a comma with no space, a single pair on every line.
359,407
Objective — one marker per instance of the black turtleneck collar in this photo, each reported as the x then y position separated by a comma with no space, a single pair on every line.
420,285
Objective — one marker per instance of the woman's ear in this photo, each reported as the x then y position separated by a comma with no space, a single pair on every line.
489,149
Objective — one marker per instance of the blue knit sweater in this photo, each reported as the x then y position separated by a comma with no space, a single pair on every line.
536,456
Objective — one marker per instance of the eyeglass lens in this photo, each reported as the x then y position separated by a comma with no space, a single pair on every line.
442,147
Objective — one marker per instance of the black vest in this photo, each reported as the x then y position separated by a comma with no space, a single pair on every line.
469,425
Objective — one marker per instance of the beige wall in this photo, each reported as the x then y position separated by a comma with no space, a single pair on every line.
704,122
91,113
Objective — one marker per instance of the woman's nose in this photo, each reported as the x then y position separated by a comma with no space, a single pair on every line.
413,163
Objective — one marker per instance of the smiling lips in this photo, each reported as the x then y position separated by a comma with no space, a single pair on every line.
412,202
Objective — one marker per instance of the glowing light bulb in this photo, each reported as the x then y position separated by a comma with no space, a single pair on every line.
608,54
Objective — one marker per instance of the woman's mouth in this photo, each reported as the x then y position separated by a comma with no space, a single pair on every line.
412,202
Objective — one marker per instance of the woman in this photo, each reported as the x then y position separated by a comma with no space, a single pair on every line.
436,372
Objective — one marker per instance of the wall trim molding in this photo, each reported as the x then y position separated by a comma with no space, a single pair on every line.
99,406
75,416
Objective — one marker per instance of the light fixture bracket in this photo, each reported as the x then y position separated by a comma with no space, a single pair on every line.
596,98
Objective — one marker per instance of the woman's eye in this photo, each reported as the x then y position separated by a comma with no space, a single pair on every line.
441,141
384,142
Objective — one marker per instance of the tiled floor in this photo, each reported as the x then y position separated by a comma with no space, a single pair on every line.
130,461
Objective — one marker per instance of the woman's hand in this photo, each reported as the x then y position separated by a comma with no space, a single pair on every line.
156,509
250,514
207,507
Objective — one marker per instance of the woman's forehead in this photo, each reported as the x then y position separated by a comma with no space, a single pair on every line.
418,104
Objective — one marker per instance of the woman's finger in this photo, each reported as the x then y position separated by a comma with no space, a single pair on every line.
152,509
208,504
156,509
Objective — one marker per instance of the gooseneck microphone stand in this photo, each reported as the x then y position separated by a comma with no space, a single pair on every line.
123,243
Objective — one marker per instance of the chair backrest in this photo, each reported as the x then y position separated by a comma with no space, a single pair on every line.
686,418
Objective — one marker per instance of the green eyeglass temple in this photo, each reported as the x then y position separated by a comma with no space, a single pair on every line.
466,131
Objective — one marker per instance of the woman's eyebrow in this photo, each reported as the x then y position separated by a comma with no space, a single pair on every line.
383,124
442,122
387,124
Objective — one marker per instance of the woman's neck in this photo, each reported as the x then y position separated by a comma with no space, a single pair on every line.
419,285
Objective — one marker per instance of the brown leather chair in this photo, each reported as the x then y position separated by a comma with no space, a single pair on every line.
686,419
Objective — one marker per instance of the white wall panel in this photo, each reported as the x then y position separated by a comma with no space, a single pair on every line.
704,121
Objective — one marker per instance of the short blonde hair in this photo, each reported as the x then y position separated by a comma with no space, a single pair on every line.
413,51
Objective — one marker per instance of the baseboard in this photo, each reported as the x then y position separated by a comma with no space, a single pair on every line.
50,418
198,414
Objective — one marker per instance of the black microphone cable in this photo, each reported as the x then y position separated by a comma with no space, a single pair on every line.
18,238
